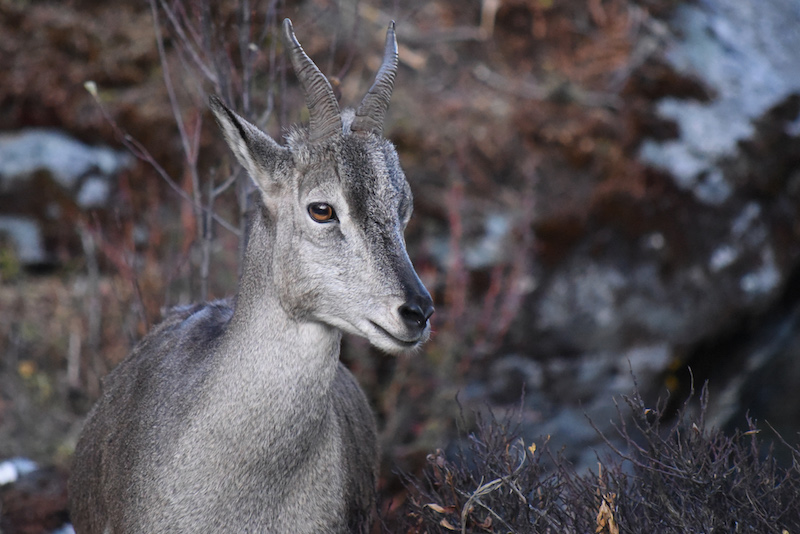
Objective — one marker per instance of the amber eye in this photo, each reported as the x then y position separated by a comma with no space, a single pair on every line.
322,212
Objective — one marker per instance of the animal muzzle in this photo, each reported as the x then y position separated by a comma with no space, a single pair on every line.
417,309
418,305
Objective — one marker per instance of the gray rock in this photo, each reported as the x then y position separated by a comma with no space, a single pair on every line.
488,247
14,468
94,192
746,52
512,376
67,160
24,233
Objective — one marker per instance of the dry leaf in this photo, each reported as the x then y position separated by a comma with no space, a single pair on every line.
446,524
605,517
436,508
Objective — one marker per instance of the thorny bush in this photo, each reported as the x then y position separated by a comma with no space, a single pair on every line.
688,478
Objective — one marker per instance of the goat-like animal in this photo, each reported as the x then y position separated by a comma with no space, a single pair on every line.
239,417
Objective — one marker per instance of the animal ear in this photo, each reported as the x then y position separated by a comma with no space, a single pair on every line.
258,153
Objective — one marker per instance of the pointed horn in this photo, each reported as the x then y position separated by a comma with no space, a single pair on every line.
323,109
372,110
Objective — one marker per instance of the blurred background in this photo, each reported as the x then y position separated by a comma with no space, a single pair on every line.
606,197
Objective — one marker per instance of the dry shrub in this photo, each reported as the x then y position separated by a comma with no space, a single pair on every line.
687,478
693,478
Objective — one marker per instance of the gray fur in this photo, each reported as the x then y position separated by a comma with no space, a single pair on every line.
237,416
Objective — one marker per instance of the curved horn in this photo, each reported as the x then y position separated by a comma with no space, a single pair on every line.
324,116
372,110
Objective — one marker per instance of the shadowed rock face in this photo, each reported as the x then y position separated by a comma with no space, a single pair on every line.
698,270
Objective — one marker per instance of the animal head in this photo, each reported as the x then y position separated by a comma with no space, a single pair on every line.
338,202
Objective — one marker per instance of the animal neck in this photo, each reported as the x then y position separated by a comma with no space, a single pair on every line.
273,360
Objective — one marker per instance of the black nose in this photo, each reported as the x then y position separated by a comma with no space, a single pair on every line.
416,311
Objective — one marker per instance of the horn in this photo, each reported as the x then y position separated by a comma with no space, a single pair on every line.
325,118
372,110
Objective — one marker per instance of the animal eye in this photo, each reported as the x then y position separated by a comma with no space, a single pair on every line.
322,212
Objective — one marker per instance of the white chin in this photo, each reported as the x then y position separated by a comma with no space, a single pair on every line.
385,341
390,346
380,337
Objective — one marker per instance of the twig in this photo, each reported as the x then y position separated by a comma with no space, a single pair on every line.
481,490
190,149
485,489
456,278
93,273
140,152
189,45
